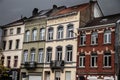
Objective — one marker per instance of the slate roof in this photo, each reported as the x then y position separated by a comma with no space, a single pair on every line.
103,20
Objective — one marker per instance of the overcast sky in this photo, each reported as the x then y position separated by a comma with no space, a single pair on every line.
11,10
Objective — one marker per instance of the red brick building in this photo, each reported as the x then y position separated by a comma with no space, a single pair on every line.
96,49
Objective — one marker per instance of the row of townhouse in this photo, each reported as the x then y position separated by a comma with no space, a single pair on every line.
63,43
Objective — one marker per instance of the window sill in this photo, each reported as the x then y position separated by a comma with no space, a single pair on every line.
94,44
107,67
81,66
94,67
82,45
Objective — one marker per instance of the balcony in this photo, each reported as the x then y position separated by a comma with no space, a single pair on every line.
30,65
55,64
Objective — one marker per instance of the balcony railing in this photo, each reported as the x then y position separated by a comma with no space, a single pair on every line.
55,64
30,65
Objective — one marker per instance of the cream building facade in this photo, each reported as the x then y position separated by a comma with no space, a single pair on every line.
61,42
12,41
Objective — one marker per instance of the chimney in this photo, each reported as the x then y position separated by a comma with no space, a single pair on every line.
35,11
54,6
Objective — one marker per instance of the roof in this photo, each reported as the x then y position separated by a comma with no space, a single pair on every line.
104,20
14,23
71,9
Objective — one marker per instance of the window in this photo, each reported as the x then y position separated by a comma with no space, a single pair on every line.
34,35
8,61
18,30
40,56
70,31
59,53
27,36
15,61
67,75
4,45
94,60
25,56
42,34
10,44
60,32
17,43
69,53
57,75
107,37
11,31
50,34
94,38
32,59
107,59
49,55
5,32
82,60
82,39
2,60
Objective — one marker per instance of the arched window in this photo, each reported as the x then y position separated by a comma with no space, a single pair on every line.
59,53
107,37
94,38
50,34
34,34
82,39
60,32
27,36
69,52
32,59
25,56
94,59
42,34
107,59
49,54
70,31
40,55
82,60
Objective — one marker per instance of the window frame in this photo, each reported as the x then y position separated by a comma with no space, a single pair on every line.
94,38
40,55
32,55
50,34
11,31
15,61
10,44
82,39
94,62
82,60
59,53
42,34
60,32
107,37
25,56
27,36
70,31
17,43
34,34
109,57
69,54
49,55
18,30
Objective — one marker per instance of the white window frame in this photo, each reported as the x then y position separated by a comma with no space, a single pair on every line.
40,57
58,54
50,34
69,54
34,34
60,32
94,38
49,55
25,56
68,75
57,75
42,34
107,37
82,39
32,55
107,56
94,61
70,29
27,36
82,61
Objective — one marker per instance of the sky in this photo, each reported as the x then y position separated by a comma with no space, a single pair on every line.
11,10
